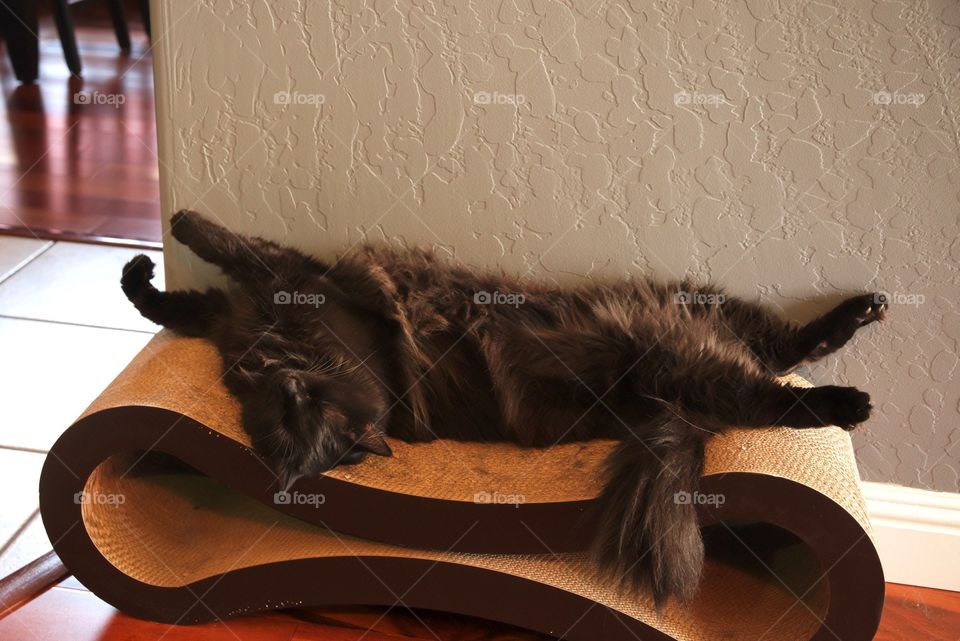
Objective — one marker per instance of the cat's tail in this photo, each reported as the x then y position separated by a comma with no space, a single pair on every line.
190,313
648,535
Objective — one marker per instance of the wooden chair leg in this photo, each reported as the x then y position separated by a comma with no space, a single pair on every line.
119,24
145,15
68,38
18,27
31,580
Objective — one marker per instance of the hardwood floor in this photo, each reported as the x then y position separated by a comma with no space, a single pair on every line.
70,612
79,156
919,613
65,613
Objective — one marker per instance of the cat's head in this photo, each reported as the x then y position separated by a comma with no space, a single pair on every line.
310,423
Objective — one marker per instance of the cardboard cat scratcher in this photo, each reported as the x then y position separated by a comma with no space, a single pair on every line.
488,530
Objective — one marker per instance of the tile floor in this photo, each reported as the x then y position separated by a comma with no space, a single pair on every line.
66,331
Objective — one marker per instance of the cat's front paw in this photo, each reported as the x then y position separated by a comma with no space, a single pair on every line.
844,407
137,274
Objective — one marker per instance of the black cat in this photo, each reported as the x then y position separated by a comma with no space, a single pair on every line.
326,357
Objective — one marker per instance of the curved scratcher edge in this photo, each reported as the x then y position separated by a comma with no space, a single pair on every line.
486,546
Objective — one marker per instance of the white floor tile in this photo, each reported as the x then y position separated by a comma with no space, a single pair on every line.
20,477
51,372
30,544
76,283
16,252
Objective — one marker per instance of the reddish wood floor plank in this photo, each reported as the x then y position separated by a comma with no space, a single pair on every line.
82,169
66,613
919,613
78,615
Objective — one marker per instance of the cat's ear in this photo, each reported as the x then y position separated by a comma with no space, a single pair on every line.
372,440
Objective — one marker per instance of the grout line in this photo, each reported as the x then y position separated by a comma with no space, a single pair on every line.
19,532
61,586
27,261
22,448
19,231
71,324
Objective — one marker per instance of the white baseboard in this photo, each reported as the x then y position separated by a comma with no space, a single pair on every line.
917,534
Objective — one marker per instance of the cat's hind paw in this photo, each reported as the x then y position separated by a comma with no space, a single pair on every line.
873,308
845,407
841,324
184,223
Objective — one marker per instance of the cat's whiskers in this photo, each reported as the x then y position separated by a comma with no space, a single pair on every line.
323,364
343,371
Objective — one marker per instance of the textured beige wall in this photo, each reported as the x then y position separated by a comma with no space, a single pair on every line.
791,151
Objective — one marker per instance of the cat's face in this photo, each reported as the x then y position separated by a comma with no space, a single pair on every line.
313,422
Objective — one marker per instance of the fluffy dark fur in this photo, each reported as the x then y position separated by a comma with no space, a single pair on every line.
398,342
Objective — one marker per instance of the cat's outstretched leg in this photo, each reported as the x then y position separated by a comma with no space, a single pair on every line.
722,383
830,332
789,406
589,376
246,259
781,346
748,399
190,313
